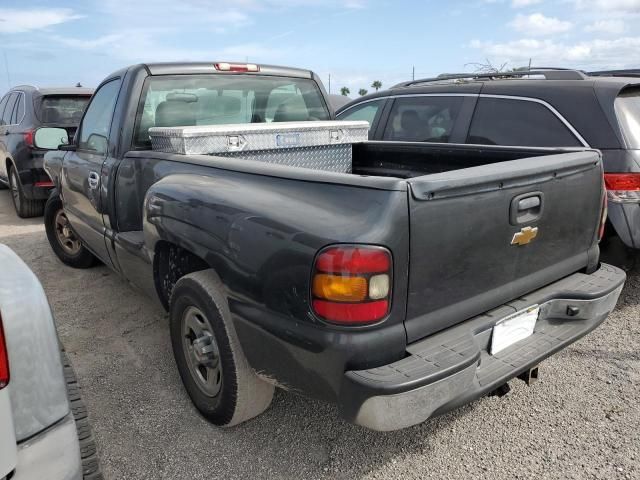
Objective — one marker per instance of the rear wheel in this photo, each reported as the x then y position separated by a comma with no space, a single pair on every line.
212,365
25,207
63,240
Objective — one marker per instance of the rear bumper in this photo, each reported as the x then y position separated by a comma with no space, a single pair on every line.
36,184
53,454
453,367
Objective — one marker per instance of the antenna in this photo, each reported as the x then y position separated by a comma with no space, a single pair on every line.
6,66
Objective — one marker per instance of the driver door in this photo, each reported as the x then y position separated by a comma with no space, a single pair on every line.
81,170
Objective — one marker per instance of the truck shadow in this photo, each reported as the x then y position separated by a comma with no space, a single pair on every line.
326,446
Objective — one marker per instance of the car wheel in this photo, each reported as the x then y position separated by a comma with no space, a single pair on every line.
210,360
88,450
64,242
25,207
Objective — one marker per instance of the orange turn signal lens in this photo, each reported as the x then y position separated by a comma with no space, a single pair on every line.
340,289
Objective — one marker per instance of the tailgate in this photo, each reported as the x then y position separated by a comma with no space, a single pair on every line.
463,223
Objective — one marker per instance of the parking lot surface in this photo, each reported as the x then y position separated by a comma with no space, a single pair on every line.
581,420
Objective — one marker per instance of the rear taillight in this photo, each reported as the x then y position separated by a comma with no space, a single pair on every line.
351,285
236,67
28,138
623,187
4,359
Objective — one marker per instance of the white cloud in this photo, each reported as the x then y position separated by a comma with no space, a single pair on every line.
611,26
25,20
524,3
628,6
592,54
537,24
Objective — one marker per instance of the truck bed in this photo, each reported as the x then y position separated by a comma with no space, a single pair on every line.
410,159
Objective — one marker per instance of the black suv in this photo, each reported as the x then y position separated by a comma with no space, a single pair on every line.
22,110
536,108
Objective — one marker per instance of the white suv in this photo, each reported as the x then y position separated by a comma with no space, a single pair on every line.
39,436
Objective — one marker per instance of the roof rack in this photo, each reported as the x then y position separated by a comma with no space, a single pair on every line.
549,73
632,72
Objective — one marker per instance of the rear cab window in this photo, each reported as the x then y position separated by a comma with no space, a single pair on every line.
423,119
627,107
513,122
62,109
188,100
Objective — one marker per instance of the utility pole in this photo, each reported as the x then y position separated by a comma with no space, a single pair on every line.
413,73
329,84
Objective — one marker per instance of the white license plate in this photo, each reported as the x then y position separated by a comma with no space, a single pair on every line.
514,328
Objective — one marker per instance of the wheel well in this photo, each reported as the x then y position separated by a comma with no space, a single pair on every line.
172,262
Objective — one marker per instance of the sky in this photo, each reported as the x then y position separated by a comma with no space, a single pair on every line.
57,43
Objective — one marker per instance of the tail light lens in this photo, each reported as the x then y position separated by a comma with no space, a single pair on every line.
4,359
351,285
28,138
623,187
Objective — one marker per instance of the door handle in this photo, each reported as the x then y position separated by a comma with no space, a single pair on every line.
526,208
528,203
94,180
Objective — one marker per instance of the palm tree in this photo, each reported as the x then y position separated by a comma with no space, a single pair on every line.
362,92
345,91
377,84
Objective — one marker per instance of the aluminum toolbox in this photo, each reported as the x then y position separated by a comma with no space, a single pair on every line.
322,145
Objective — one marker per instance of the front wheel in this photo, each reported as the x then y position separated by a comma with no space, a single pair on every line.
210,360
63,240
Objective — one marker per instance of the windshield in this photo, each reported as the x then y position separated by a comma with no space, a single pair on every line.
627,107
187,100
63,110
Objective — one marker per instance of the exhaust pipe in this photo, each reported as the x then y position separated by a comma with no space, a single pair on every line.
530,376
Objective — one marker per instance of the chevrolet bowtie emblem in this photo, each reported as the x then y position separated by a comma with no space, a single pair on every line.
524,236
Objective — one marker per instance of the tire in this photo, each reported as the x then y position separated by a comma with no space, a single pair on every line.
88,450
25,207
242,395
66,249
614,251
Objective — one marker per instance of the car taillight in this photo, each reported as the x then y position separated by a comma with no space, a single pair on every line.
4,359
623,187
351,285
28,138
236,67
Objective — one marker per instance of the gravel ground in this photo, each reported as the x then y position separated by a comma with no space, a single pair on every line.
581,420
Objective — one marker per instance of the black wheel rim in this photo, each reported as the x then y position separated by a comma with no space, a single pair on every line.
201,351
15,192
64,234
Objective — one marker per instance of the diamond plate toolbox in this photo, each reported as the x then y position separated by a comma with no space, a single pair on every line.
322,145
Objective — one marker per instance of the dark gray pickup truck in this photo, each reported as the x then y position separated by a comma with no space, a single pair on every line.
428,276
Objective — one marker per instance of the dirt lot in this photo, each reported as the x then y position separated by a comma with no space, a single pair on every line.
582,420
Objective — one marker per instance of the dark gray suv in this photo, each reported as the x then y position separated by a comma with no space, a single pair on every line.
550,107
22,110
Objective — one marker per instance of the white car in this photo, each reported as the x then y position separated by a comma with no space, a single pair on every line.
44,432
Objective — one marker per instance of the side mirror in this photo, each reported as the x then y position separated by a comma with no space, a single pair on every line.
50,138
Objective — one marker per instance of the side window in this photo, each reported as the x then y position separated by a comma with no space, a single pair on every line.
8,110
365,111
18,110
3,103
501,121
423,119
94,130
